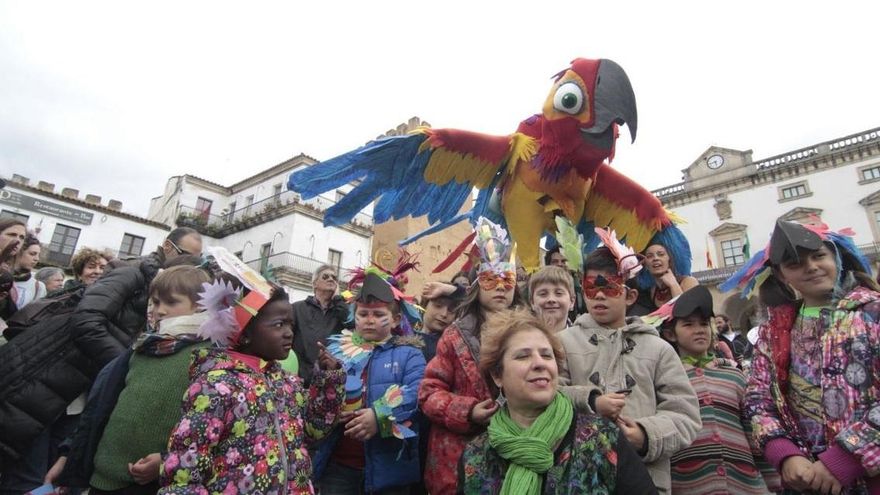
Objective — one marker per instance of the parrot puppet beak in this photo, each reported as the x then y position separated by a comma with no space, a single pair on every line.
614,102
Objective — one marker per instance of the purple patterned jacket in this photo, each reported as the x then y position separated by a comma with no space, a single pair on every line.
850,382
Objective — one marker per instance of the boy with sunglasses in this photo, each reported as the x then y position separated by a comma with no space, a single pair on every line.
620,368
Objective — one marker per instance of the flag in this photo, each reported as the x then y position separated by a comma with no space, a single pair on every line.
747,248
709,264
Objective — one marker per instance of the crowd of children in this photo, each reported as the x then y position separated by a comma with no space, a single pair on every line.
202,402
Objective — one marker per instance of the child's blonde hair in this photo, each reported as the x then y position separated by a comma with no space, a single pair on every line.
555,275
185,280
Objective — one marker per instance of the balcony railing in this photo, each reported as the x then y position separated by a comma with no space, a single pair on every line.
260,212
289,267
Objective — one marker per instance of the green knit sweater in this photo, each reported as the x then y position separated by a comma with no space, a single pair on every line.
147,410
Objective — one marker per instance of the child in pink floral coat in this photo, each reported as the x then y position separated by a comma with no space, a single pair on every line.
246,422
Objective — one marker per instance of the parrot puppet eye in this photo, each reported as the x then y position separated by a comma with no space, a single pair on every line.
569,98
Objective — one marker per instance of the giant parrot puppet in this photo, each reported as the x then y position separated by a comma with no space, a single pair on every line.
554,164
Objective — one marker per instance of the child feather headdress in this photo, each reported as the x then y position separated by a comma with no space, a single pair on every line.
629,263
228,310
497,253
385,285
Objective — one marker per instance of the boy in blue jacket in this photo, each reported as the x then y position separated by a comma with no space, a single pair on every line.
374,448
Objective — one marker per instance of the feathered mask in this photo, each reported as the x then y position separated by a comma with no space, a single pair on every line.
228,311
629,263
783,245
497,255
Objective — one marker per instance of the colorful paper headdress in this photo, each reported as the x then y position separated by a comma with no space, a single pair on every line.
497,253
629,263
230,312
396,277
783,246
697,299
385,285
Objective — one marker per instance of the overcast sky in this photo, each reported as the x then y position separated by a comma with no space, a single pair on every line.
114,98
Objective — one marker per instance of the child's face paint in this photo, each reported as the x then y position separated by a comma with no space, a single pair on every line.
374,321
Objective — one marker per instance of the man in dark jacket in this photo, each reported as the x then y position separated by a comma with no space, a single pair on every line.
317,317
114,309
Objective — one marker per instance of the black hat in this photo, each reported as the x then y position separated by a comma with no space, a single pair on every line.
374,286
697,299
787,238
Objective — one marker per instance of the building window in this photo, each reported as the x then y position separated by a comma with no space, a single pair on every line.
63,244
265,252
790,192
231,214
870,173
132,245
877,219
732,252
334,258
15,216
203,208
248,202
276,190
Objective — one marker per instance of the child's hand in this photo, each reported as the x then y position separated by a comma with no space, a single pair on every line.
632,430
610,405
146,469
483,411
822,480
436,289
55,471
797,472
326,361
362,426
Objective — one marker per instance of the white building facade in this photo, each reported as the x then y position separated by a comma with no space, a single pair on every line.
731,202
64,222
268,226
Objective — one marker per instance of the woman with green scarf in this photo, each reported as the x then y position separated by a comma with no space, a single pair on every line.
537,443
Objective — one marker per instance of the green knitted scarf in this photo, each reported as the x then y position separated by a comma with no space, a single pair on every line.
529,450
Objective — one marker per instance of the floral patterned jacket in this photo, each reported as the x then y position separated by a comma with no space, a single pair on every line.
244,431
850,380
593,458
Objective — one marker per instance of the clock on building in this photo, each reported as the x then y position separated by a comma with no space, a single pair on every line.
715,162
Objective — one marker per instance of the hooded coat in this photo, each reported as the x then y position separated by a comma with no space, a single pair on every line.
605,360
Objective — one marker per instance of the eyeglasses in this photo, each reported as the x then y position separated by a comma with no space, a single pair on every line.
179,250
610,286
491,281
328,276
